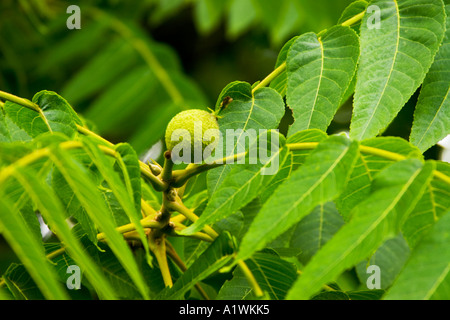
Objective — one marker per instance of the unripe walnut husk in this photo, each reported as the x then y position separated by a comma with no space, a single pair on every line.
186,120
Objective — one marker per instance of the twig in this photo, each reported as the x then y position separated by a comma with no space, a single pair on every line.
177,260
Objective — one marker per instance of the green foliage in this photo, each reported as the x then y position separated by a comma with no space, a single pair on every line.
317,181
319,72
56,115
373,220
218,254
304,222
394,61
431,280
432,111
249,110
273,273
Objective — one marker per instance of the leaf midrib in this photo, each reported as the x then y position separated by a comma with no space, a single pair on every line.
252,97
319,84
322,177
266,280
438,282
435,115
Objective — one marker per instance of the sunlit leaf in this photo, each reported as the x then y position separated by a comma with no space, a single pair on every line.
432,114
427,273
395,58
319,71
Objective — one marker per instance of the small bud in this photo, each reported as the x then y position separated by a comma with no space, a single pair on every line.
156,170
172,195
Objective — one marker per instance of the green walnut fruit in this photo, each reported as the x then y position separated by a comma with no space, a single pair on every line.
197,126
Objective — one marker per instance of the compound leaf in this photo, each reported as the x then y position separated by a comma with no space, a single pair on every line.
432,114
88,195
395,57
244,181
395,191
319,71
246,114
29,251
320,179
427,272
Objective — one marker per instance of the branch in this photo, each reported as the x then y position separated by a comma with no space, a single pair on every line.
176,258
178,206
250,278
20,101
197,235
156,182
368,150
180,177
146,223
166,174
353,19
147,210
267,80
157,244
